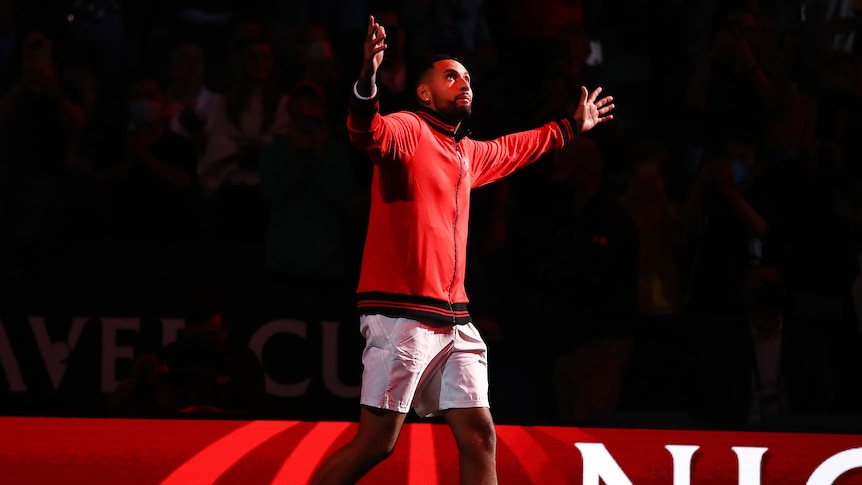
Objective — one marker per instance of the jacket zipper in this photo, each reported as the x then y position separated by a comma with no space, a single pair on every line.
455,234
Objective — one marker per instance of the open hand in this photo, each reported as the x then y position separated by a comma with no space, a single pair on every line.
373,56
590,111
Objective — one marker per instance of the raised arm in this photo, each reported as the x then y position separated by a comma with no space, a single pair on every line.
375,44
497,158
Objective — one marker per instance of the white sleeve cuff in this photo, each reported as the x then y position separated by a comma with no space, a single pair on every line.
364,98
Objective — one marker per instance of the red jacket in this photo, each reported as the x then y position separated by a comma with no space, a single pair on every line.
413,262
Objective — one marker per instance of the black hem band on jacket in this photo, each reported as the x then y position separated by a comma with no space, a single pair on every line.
422,309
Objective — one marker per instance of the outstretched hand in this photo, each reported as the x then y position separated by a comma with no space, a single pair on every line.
373,56
590,111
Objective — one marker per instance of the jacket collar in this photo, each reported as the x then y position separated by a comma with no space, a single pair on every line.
439,123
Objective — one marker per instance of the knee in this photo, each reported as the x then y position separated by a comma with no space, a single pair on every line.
378,450
488,437
482,438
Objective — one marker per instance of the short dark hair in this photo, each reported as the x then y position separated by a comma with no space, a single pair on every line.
202,305
427,64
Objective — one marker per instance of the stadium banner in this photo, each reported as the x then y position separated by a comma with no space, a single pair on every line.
169,452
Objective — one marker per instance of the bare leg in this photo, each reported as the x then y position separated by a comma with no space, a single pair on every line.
374,442
476,438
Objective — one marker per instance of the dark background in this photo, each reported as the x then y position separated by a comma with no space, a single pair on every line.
65,250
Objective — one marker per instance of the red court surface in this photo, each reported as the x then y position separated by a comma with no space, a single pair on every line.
136,451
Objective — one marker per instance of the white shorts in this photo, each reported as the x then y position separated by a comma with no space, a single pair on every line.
408,364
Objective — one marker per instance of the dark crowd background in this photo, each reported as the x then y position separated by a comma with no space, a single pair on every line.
693,262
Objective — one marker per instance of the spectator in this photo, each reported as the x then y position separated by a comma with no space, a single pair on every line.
813,242
732,78
93,34
96,148
573,50
544,19
654,375
136,395
243,122
153,186
306,176
192,102
557,95
467,18
760,366
726,216
203,373
791,121
162,25
589,284
318,61
839,103
38,124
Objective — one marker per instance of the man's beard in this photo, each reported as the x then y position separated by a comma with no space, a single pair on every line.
455,112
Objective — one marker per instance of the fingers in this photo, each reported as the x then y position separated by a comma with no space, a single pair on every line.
372,28
604,105
604,101
377,44
593,109
591,97
375,37
376,32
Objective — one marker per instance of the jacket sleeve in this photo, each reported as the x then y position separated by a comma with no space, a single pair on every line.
384,139
494,159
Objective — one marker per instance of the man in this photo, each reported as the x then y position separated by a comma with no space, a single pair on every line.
762,365
203,373
422,351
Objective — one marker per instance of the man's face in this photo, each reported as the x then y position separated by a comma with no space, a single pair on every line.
307,124
259,62
211,332
36,49
147,103
447,87
188,65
